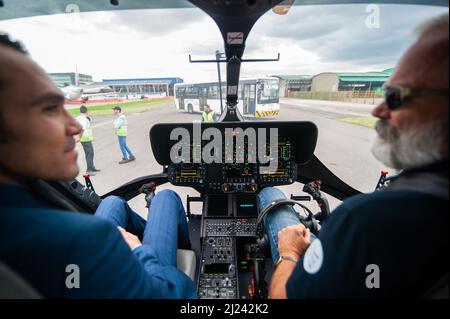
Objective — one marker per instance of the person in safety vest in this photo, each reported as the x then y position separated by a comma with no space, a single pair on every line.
86,138
120,125
208,116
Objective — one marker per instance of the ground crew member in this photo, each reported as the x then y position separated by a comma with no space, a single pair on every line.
120,125
86,139
208,116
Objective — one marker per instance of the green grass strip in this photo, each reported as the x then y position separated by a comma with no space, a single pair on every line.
362,121
127,107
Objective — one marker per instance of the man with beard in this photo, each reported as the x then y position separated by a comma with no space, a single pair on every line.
393,242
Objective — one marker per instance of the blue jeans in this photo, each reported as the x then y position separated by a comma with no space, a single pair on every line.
278,219
126,152
166,228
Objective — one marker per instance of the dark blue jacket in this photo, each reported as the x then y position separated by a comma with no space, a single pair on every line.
39,243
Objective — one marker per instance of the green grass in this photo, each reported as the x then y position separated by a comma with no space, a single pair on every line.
362,121
127,107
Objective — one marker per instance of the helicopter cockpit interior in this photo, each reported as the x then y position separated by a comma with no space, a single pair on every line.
228,163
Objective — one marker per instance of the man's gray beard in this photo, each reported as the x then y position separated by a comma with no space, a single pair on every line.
410,147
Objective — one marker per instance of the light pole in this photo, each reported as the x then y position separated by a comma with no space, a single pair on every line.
218,57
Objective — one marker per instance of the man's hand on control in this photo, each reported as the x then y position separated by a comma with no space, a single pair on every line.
293,240
132,240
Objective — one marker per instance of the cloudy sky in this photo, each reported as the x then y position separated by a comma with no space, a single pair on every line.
156,43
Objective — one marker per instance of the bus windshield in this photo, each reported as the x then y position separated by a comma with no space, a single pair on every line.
268,92
257,97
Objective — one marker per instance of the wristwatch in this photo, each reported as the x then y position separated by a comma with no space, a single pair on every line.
290,258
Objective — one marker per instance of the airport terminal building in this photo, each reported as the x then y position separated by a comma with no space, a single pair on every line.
117,88
70,78
143,87
334,82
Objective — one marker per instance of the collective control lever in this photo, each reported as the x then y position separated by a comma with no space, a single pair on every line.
313,189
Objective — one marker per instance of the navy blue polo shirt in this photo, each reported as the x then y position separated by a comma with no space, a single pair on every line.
391,243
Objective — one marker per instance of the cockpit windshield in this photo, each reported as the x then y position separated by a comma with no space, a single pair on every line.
334,60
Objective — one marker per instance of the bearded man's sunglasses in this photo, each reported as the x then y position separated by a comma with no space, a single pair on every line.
396,95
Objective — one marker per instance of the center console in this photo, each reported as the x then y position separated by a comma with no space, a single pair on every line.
227,220
218,270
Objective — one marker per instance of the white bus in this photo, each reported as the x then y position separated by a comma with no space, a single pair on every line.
257,97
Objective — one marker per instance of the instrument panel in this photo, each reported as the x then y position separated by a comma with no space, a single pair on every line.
233,157
237,177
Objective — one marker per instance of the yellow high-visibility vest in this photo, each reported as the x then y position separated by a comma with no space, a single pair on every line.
208,117
88,135
122,130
